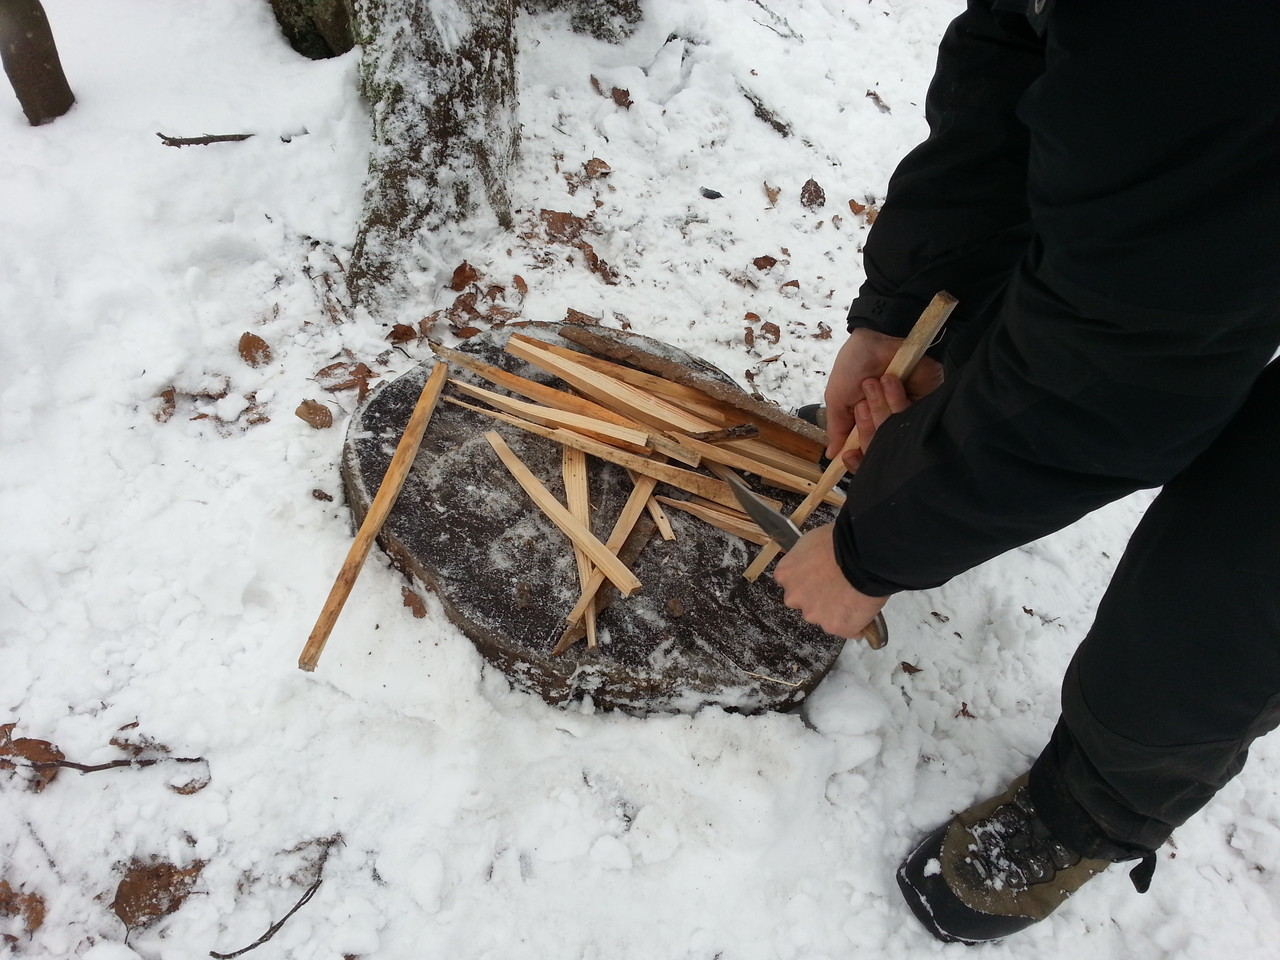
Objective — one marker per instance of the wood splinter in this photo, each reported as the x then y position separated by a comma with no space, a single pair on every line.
607,563
379,509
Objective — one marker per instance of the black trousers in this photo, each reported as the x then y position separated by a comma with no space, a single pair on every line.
1051,198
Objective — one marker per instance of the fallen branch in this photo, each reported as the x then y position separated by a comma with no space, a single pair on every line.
303,901
205,140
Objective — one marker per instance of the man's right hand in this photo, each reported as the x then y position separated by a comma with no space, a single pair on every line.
860,395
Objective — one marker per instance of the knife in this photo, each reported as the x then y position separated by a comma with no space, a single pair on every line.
781,529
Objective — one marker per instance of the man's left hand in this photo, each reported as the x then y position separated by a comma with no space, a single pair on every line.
814,584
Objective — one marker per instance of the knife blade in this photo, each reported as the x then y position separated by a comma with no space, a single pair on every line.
784,531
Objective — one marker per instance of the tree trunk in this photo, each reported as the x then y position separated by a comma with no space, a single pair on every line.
440,76
31,61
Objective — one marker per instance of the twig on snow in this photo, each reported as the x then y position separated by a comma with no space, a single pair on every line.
205,140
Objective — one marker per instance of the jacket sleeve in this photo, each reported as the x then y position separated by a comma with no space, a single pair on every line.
1058,413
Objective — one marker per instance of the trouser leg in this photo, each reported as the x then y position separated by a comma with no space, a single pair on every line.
1181,669
956,215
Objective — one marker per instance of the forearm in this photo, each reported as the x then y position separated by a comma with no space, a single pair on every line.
1056,415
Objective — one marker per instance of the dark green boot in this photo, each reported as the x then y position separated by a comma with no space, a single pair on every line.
991,871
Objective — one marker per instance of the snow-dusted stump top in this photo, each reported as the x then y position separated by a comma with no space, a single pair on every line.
696,633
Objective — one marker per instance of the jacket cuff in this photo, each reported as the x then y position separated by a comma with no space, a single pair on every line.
851,565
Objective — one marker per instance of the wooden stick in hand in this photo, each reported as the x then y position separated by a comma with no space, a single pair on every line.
902,365
383,501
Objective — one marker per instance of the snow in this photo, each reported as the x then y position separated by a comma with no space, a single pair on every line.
168,573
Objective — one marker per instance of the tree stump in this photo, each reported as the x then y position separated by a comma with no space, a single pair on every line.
696,633
31,61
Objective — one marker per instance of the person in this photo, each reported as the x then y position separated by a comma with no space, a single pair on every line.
1100,189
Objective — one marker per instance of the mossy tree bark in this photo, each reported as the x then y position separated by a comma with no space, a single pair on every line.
31,61
441,78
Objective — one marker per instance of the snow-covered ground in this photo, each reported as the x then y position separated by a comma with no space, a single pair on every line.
163,560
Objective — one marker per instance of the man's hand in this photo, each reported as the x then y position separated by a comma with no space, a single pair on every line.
814,584
859,395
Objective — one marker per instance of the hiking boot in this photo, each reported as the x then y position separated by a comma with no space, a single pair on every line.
991,871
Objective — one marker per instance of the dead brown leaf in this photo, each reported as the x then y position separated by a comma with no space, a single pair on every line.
908,668
345,375
33,752
595,168
621,97
764,263
151,890
562,227
466,333
812,195
857,208
463,276
521,286
791,285
752,318
597,266
771,332
254,350
964,712
168,404
402,333
772,193
417,606
749,337
322,495
315,414
16,903
824,332
876,99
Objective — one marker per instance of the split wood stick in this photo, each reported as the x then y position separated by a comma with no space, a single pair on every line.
656,512
660,519
381,506
740,525
607,563
616,395
686,480
903,363
632,394
635,441
559,399
631,511
573,467
719,409
741,431
725,456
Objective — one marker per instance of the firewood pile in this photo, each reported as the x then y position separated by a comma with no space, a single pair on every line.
663,430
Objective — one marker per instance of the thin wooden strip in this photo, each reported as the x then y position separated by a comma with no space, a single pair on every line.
577,495
613,386
729,403
686,480
725,455
560,400
616,395
901,366
721,519
608,565
631,512
636,441
383,501
660,519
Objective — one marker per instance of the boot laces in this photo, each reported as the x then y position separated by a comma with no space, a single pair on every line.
1014,849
